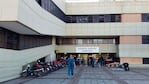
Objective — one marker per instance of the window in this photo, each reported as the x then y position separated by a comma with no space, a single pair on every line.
95,41
90,19
108,41
145,17
107,18
73,19
82,19
2,38
69,18
95,19
145,60
101,18
79,41
99,41
90,41
117,18
145,39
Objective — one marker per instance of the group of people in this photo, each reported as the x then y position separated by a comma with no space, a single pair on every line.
101,61
72,62
92,61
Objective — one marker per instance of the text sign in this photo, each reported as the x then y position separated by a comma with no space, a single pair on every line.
87,49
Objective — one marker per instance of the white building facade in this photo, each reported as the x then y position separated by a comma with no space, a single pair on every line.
33,29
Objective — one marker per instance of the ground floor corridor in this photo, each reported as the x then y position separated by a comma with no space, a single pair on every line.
89,75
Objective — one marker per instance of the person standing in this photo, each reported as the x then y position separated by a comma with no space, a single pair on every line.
71,66
101,61
92,62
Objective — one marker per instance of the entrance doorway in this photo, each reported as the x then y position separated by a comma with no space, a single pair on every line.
86,58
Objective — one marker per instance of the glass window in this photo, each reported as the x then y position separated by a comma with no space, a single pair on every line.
145,60
82,19
52,7
99,41
95,18
90,19
101,18
79,41
85,41
145,17
117,18
90,41
95,41
69,18
107,18
73,19
61,41
114,42
108,41
145,39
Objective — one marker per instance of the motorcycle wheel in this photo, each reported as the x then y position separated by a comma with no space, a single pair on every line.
24,74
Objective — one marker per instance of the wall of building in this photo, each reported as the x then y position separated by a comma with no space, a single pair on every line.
32,15
106,29
128,18
131,60
11,61
130,39
29,13
8,10
130,29
132,44
134,50
107,7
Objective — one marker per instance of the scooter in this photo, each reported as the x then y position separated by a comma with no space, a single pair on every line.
126,66
27,71
38,70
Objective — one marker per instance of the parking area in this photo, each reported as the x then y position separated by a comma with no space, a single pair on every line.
89,75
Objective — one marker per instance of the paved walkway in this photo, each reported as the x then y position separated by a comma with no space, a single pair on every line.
89,75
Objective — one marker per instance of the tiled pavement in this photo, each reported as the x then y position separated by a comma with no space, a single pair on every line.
89,75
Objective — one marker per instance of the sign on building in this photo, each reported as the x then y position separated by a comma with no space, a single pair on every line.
87,49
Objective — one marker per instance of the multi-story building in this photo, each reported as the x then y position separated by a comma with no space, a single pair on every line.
34,29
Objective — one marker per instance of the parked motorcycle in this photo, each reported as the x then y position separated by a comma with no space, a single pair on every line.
27,71
126,66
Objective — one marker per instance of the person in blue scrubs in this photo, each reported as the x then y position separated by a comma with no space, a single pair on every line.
71,66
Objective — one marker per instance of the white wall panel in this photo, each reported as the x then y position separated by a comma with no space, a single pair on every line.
134,50
107,29
8,10
107,7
